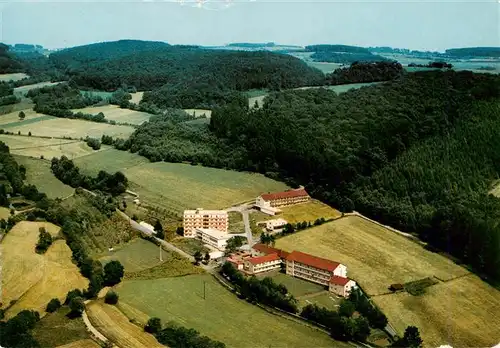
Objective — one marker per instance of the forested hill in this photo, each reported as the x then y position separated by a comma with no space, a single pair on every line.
471,52
8,63
74,56
108,66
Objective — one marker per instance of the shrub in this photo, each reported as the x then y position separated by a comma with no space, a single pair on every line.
72,294
77,306
111,297
53,305
153,326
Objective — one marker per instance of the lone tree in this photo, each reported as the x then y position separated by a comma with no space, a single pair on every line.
113,273
197,257
207,257
153,326
111,297
411,339
159,230
77,306
53,305
22,115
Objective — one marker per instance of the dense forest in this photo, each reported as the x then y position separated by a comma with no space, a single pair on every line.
493,52
391,151
8,63
342,54
365,72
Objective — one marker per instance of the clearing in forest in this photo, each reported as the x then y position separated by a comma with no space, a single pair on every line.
38,173
377,257
115,113
218,314
23,90
31,279
116,327
72,128
12,77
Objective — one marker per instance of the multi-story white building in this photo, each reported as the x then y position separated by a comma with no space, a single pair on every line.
206,219
313,268
269,202
260,264
214,238
275,225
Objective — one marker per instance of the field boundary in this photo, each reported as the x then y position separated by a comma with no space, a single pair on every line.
93,331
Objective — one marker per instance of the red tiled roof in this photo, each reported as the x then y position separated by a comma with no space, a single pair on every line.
339,280
312,261
270,250
261,259
285,194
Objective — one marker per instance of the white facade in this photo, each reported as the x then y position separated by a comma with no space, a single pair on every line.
275,225
147,226
204,219
262,264
213,238
342,289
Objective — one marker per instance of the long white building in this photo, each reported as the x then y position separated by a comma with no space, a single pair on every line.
213,238
205,219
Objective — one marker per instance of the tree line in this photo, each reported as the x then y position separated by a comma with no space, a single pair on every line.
65,170
365,72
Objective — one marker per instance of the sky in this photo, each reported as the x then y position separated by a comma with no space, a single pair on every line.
421,24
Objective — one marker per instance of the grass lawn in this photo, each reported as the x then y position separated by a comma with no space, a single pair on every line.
38,173
115,326
115,113
236,224
190,245
55,329
33,279
323,299
220,316
65,127
454,312
136,255
309,211
297,287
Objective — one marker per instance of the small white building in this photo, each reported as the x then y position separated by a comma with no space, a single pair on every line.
275,225
213,238
148,226
341,286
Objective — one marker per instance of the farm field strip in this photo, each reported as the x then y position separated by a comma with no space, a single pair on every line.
220,316
25,89
115,113
113,324
377,257
13,117
136,255
87,343
28,277
12,77
38,173
110,160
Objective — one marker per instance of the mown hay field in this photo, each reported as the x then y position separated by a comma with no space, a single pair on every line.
377,257
115,326
32,279
87,343
38,173
309,212
12,119
110,160
115,113
462,312
220,316
64,127
12,77
47,147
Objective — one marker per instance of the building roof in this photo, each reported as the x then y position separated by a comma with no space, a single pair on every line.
201,211
270,250
285,194
219,235
276,222
313,261
261,259
339,280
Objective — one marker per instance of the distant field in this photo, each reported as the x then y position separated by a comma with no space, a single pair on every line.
462,312
199,112
24,104
33,279
221,316
136,97
110,160
376,257
309,211
12,119
324,299
326,68
38,173
259,100
342,88
115,113
136,255
115,326
13,77
60,127
46,147
57,330
104,95
25,89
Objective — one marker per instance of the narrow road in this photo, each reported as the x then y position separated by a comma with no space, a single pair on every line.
244,211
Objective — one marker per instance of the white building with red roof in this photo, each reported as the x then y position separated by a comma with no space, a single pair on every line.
259,264
269,202
341,286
